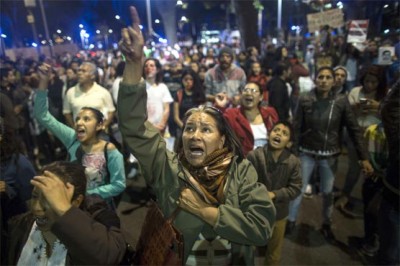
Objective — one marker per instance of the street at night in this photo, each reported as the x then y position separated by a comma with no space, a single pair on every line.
265,131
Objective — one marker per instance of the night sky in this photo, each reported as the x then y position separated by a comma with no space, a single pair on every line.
66,16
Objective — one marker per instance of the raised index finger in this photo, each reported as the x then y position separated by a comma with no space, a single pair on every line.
135,19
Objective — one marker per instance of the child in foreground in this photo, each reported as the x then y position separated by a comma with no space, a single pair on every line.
279,170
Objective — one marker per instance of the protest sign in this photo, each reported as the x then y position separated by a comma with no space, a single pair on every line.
357,31
385,55
333,18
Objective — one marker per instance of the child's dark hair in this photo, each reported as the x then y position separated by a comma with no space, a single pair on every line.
99,115
69,172
288,125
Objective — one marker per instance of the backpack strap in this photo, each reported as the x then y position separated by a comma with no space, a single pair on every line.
79,155
106,157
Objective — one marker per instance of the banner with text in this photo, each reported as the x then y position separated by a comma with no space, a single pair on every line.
333,18
358,30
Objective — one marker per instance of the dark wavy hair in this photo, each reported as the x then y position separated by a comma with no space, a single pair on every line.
231,140
380,74
70,172
199,97
159,74
278,53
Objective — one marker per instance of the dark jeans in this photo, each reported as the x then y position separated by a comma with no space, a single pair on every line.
389,233
371,192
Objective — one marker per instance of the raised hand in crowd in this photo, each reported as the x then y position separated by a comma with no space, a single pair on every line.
57,193
131,45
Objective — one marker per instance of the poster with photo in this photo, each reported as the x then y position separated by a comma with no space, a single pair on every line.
385,55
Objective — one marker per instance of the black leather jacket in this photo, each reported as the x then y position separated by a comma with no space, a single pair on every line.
390,111
319,123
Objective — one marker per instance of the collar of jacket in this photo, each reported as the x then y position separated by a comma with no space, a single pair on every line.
313,94
283,158
265,114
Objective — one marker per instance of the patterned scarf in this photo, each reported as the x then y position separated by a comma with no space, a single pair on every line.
211,176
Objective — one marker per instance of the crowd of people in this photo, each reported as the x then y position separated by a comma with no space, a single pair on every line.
233,140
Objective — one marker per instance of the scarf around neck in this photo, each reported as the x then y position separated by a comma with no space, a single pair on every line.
211,176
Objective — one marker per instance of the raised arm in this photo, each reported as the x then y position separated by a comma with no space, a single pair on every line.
41,110
142,138
131,46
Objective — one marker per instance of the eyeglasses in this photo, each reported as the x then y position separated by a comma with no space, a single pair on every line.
249,90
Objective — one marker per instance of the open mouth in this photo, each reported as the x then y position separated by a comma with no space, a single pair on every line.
276,140
196,151
80,132
248,99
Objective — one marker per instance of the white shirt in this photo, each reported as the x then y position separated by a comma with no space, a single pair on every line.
115,89
157,95
34,251
96,97
260,135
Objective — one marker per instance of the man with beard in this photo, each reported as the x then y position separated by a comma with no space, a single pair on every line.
225,78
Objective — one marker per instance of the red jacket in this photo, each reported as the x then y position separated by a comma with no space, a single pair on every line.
241,126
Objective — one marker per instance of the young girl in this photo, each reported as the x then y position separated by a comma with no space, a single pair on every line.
191,95
103,162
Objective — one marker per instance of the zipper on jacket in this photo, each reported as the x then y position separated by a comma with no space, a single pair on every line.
329,123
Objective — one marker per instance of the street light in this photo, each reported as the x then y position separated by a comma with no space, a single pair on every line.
82,34
80,26
117,17
46,28
3,44
148,12
59,31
